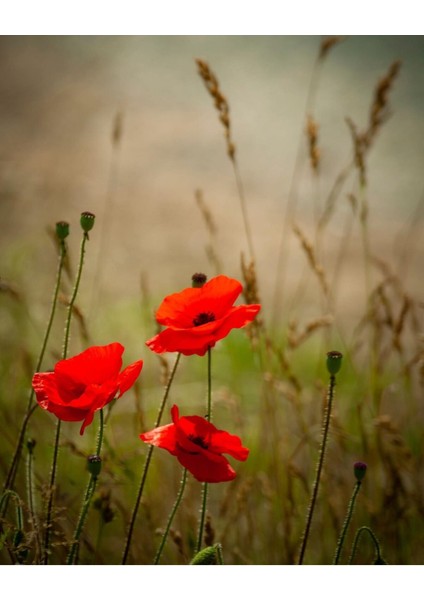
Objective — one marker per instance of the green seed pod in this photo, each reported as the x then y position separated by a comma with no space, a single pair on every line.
207,556
87,221
62,230
94,463
334,362
198,280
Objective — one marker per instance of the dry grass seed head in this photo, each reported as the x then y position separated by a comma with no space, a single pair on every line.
328,43
313,262
312,134
221,104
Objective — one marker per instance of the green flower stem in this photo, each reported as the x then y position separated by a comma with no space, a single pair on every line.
91,486
320,463
147,463
10,479
171,517
205,485
31,502
359,533
202,516
74,295
350,509
57,438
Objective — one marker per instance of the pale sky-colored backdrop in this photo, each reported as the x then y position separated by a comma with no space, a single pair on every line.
58,100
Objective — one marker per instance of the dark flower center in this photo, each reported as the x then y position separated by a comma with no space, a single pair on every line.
198,440
202,318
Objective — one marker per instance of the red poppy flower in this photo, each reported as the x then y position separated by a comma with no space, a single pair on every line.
198,446
198,317
85,383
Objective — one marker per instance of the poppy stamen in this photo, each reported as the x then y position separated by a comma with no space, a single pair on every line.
202,318
199,441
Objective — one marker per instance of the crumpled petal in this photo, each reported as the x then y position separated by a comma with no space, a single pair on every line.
83,384
196,318
199,446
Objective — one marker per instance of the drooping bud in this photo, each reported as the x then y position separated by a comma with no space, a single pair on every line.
87,221
334,362
62,230
94,463
198,280
359,469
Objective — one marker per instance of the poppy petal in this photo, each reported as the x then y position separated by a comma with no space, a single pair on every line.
217,296
127,378
95,365
162,437
197,340
206,470
226,443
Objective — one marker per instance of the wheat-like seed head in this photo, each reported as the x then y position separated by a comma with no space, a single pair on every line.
221,104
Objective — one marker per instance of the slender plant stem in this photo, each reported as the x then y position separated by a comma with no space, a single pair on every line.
73,297
10,479
205,485
91,486
58,426
319,468
31,501
171,517
360,531
350,509
147,463
243,208
51,495
290,208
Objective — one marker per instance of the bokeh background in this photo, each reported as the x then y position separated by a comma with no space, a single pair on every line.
61,97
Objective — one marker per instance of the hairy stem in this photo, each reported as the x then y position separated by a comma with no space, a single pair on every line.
171,517
319,468
147,464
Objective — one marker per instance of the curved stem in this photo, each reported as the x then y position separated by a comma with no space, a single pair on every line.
10,479
91,486
360,531
319,468
171,517
346,523
205,485
147,464
56,445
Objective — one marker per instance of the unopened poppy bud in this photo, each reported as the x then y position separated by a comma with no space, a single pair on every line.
207,556
359,469
62,230
30,444
94,463
87,221
334,362
198,280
